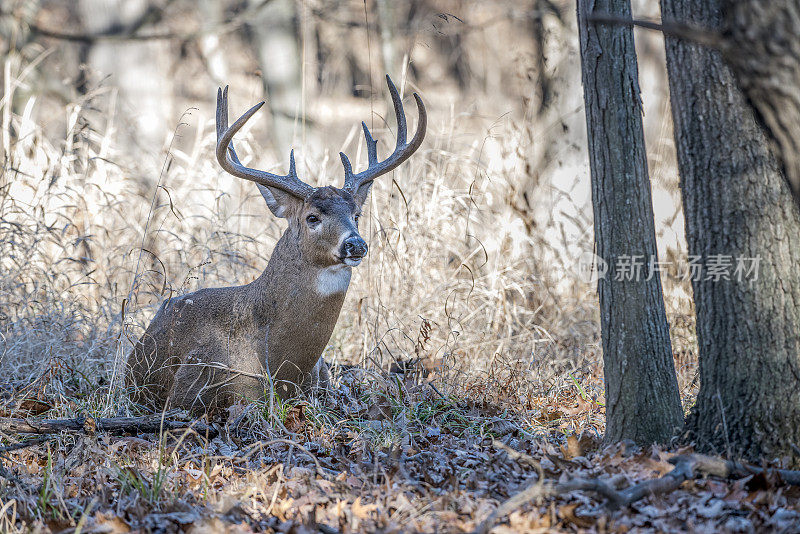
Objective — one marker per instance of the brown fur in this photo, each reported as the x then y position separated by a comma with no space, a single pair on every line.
206,350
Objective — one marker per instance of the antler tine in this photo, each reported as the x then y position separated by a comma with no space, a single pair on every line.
399,113
227,158
401,152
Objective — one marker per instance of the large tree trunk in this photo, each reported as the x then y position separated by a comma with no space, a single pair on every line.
642,399
737,205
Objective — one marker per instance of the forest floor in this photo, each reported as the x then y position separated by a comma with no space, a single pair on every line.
381,453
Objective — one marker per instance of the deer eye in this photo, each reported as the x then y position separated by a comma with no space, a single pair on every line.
312,220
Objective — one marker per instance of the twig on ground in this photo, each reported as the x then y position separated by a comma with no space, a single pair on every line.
535,491
114,425
23,444
520,457
687,467
528,494
321,471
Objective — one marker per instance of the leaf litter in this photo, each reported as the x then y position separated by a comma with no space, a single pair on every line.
377,454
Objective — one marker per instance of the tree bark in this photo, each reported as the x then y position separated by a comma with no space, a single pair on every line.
737,205
763,48
642,399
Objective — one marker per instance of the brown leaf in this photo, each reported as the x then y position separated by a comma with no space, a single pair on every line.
296,419
588,442
362,511
32,407
110,523
501,426
567,514
380,409
90,425
659,466
572,448
550,415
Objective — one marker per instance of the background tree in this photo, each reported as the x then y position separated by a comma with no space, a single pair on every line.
642,400
274,35
737,205
139,69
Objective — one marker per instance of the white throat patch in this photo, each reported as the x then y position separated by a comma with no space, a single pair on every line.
334,279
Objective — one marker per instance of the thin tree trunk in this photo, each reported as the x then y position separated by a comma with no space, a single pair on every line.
386,30
212,13
138,69
738,207
274,34
642,399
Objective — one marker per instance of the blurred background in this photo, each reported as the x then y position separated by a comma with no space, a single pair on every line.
111,199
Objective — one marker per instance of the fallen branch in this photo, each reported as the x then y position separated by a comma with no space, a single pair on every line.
114,425
687,467
23,444
520,457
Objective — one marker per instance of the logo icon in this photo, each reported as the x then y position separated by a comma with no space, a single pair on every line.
590,267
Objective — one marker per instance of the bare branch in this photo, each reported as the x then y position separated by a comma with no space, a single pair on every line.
132,32
689,32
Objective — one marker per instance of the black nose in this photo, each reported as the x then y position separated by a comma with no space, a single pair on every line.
354,247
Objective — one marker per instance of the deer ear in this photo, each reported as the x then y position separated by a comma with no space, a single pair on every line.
361,194
280,202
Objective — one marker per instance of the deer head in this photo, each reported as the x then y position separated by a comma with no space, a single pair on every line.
324,219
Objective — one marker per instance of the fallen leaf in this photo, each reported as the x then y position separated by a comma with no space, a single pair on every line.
568,514
572,448
296,419
110,524
362,511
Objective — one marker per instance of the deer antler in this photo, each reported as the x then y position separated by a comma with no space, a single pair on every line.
229,161
401,152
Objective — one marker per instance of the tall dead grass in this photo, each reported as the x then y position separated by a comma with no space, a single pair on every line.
90,244
483,292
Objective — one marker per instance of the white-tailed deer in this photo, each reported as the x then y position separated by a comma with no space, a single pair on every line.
206,350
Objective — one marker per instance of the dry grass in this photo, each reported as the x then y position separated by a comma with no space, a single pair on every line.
453,275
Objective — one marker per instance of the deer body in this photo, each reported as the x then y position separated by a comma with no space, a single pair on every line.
206,350
280,321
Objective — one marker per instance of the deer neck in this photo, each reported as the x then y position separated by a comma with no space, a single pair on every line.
293,286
